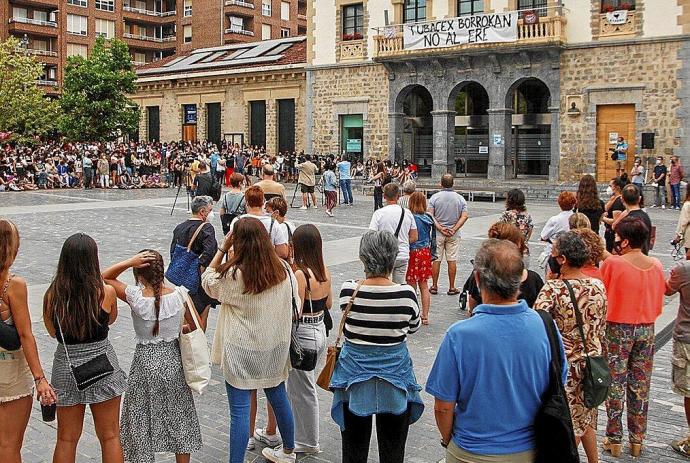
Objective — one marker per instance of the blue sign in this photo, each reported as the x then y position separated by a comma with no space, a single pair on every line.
189,111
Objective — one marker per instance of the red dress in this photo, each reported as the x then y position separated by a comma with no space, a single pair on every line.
419,266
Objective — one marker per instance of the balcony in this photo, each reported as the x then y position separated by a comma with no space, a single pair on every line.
21,26
149,16
35,22
301,17
389,41
159,14
47,83
35,52
149,38
617,23
236,30
239,3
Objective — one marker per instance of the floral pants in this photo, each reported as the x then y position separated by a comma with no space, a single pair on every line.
630,351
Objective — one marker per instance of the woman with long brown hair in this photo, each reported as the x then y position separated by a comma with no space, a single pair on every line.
20,369
256,290
158,413
377,179
588,202
78,309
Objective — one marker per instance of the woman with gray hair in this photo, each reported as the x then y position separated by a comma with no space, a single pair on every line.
198,230
374,375
572,253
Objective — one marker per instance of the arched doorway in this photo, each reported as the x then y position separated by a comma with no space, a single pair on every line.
418,138
531,128
470,101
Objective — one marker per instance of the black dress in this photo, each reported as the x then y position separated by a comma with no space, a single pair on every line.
204,246
609,235
529,289
594,216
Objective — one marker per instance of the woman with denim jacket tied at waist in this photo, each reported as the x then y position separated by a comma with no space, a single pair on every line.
374,375
419,268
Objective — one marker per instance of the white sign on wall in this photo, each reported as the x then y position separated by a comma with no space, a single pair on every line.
481,28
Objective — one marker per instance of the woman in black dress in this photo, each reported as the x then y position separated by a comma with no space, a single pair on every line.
614,207
531,281
204,246
588,201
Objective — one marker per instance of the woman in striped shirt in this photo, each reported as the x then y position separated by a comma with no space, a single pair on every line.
374,375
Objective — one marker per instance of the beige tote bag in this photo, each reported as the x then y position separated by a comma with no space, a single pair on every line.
196,358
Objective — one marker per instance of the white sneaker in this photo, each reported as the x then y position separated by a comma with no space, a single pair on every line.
251,444
307,450
304,208
278,455
329,213
314,206
663,207
262,436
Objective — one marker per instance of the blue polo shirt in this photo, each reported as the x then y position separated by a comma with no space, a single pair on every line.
495,368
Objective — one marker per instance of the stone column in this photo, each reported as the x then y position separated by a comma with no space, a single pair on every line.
396,125
555,165
500,123
444,134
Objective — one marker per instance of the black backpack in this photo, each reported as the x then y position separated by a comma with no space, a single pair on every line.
553,425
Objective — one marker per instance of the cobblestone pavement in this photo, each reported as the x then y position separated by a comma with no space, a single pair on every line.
124,222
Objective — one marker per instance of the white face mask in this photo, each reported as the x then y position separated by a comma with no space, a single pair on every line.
609,191
211,215
658,162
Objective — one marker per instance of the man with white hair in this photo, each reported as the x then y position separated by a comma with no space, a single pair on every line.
268,185
408,188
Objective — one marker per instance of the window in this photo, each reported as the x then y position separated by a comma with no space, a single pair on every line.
614,5
50,73
284,32
77,49
537,5
139,57
41,15
187,34
414,11
105,28
285,11
266,7
105,5
39,45
19,12
353,22
77,24
471,7
236,24
265,32
187,7
82,3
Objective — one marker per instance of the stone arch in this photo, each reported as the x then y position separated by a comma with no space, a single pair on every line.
536,82
457,89
399,102
468,104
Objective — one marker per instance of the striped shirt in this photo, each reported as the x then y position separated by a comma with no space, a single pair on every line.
380,315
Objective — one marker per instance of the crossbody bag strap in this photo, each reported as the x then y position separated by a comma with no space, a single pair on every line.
578,316
196,233
346,312
402,217
189,304
62,333
295,309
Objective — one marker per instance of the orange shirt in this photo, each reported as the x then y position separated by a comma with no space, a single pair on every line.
592,272
635,296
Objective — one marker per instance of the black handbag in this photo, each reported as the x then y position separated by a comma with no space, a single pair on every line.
596,379
9,336
553,426
301,357
89,373
227,218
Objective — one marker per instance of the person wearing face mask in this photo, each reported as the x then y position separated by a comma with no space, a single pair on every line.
638,174
199,227
659,183
675,176
629,343
614,207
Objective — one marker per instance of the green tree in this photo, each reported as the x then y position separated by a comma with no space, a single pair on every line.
26,112
94,98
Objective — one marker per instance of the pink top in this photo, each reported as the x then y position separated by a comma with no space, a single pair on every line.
635,296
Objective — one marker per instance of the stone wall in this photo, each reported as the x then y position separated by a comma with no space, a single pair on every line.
356,89
645,74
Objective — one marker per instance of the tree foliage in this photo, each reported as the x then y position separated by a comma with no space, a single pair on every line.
94,98
26,112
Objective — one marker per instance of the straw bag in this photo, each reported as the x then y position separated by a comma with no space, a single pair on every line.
196,359
324,379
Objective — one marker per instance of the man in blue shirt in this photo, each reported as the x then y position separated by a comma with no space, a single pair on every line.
492,369
344,168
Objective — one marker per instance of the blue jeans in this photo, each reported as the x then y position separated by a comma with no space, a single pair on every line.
346,188
239,400
675,195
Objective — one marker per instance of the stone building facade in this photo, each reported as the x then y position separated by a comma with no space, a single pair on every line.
207,95
547,105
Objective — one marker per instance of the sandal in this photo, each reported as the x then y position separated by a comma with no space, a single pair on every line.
453,292
425,320
433,290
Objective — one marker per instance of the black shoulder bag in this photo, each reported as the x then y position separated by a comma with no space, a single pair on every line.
9,336
301,357
596,378
553,425
227,218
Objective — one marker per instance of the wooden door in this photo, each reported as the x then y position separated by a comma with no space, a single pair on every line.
614,121
189,132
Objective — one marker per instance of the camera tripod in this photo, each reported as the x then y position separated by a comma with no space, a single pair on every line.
179,187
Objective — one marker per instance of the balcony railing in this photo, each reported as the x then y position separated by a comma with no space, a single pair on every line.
235,30
33,51
148,38
48,83
239,3
36,22
389,40
302,17
159,14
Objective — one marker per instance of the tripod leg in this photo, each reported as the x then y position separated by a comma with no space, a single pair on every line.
175,202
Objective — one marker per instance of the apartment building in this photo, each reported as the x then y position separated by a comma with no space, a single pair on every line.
53,30
500,89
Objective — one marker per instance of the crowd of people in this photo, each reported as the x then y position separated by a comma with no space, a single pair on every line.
274,295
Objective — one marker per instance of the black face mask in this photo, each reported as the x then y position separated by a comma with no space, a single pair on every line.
617,248
554,266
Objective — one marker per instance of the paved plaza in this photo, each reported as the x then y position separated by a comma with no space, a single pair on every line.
124,222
